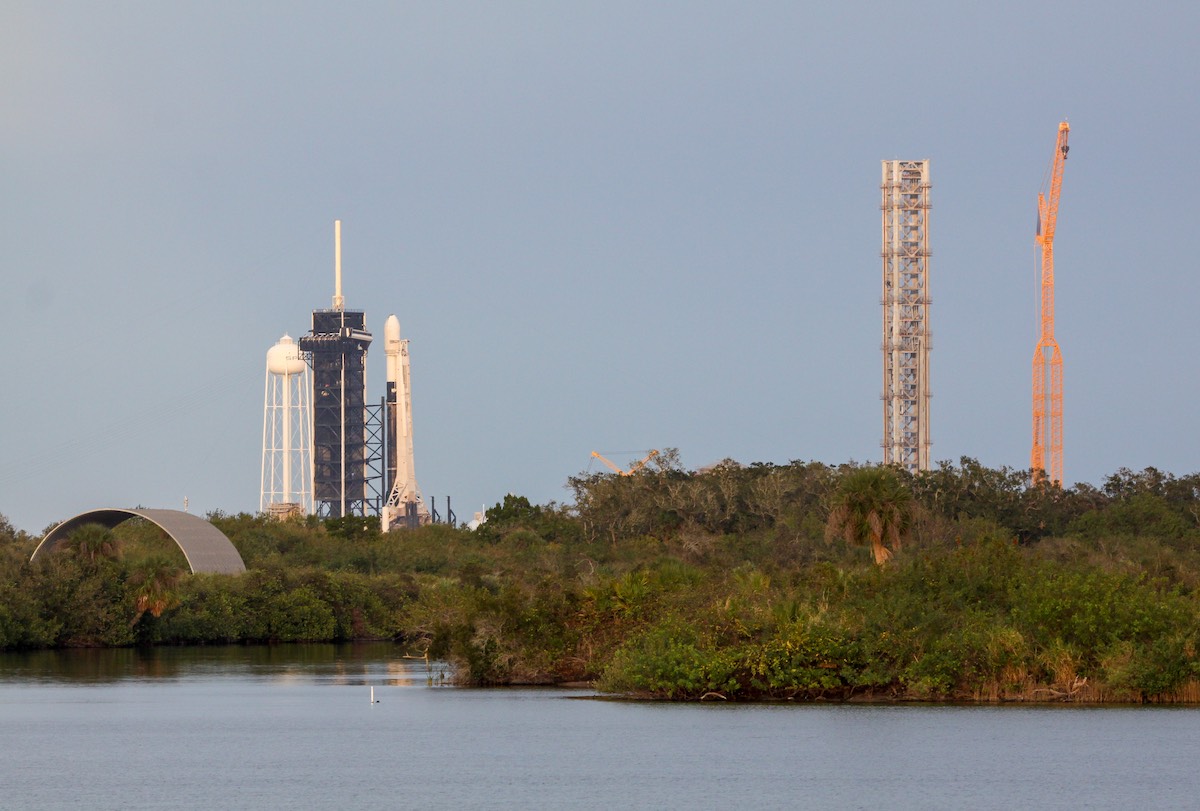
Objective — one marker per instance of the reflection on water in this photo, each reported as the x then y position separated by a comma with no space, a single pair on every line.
379,663
290,728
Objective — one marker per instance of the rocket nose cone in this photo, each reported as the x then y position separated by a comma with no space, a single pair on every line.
391,330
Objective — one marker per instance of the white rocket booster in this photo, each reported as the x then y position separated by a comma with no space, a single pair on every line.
404,489
399,393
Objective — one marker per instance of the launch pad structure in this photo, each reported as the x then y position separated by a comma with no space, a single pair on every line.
336,349
361,452
906,333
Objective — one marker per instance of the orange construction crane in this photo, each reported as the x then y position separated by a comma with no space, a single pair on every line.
1047,360
634,468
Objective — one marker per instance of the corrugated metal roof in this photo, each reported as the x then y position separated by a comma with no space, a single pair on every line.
205,547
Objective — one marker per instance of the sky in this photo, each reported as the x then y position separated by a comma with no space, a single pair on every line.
610,226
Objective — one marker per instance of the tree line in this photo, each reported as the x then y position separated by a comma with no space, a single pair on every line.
800,580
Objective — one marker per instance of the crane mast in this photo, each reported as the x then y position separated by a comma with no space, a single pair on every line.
1047,360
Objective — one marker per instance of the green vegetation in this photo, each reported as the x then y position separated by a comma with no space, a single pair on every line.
871,506
796,581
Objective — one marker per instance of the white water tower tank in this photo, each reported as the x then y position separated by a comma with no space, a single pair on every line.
287,446
284,358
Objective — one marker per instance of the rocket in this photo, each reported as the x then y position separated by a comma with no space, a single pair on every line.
401,470
399,400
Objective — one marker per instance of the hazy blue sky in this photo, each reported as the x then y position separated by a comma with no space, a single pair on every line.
603,225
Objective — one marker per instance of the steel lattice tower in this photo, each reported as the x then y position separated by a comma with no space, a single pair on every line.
906,334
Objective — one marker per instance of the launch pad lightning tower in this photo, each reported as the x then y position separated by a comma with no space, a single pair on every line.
906,335
337,352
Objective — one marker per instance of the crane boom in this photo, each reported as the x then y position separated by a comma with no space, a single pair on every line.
634,468
611,466
1047,359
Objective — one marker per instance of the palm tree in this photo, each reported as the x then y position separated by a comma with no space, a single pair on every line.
871,505
93,543
154,584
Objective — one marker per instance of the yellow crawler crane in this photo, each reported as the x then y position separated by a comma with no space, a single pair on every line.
634,468
1047,360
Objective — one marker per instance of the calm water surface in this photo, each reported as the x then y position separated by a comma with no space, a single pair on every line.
293,728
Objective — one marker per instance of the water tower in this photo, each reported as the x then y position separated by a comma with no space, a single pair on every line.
287,458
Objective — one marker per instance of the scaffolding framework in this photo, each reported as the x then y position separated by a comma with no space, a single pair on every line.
906,334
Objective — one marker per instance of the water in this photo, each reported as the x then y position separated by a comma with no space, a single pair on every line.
292,728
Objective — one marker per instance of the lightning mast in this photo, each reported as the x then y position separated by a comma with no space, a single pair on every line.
1047,360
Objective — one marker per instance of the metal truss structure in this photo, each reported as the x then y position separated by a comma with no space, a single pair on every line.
336,349
376,443
1046,455
906,334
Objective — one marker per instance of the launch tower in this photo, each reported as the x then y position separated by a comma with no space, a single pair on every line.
906,334
336,349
